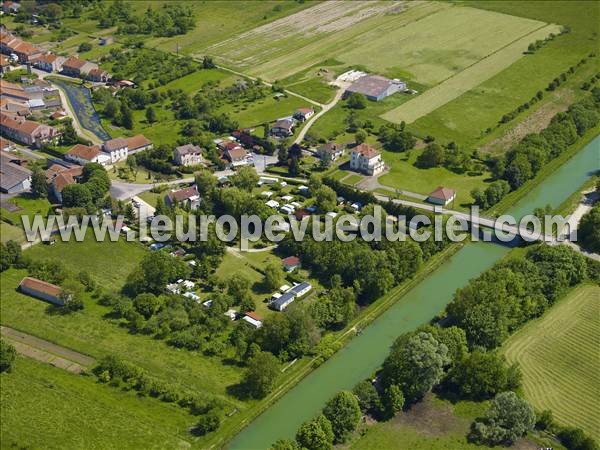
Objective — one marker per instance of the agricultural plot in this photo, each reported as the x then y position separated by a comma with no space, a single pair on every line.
558,355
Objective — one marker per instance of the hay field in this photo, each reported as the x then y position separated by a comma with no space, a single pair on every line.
560,359
467,79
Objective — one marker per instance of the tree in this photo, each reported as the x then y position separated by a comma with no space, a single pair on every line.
132,164
151,114
126,117
245,178
575,439
343,411
393,400
69,135
207,63
315,434
238,287
326,199
76,196
416,364
274,276
155,271
71,292
146,304
368,398
508,418
260,377
481,375
84,47
39,185
206,182
434,155
8,354
589,230
111,109
360,136
285,444
208,422
356,101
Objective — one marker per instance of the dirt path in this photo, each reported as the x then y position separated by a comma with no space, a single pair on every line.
47,352
313,119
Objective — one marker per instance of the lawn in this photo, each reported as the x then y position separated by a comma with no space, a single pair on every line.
404,175
267,109
558,356
193,82
50,408
465,118
29,206
10,232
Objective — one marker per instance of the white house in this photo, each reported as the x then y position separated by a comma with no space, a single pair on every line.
367,160
253,319
84,154
117,149
442,196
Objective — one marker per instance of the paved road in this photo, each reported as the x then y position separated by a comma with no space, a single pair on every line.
313,119
144,209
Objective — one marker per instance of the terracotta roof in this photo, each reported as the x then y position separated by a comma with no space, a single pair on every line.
4,143
40,286
237,153
137,141
4,61
84,152
61,176
48,58
58,115
74,63
443,193
291,261
183,194
97,72
366,150
22,125
26,48
284,123
254,316
115,144
305,110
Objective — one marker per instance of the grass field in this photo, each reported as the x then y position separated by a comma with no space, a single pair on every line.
465,118
50,408
267,109
558,355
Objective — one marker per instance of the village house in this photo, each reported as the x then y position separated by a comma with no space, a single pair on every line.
49,62
25,131
42,290
5,66
117,149
330,152
13,176
303,114
84,154
75,67
185,198
25,52
237,156
442,196
58,177
367,160
187,155
138,143
98,75
253,319
6,145
282,128
290,263
375,87
10,7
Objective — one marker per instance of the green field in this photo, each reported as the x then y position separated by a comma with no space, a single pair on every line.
47,407
465,118
558,355
267,109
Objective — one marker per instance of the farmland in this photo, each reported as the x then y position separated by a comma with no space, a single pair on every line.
558,355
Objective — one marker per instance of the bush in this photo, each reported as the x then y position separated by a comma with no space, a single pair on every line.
8,354
208,423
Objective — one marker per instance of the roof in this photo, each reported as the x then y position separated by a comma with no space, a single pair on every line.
4,61
115,144
291,261
40,286
371,85
84,151
284,123
237,153
26,48
187,149
5,143
300,287
21,125
330,147
48,58
366,150
285,298
254,316
74,63
137,141
61,176
305,110
183,194
11,174
97,71
443,193
58,115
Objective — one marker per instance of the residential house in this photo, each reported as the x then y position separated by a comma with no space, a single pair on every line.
58,177
253,319
5,66
442,196
6,145
330,152
375,87
98,75
117,149
188,155
303,114
10,7
49,62
75,67
367,160
138,143
13,177
25,131
186,198
283,128
290,263
42,290
12,45
84,154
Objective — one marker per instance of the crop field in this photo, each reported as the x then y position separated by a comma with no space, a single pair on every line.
558,355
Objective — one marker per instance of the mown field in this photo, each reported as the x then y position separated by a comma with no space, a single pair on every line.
558,355
53,408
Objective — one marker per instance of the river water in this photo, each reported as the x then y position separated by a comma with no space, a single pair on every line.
364,354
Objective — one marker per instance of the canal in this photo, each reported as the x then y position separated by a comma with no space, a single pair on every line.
365,353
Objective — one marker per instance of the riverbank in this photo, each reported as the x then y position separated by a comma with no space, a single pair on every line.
305,367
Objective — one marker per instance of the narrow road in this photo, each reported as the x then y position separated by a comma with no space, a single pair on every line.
313,119
47,352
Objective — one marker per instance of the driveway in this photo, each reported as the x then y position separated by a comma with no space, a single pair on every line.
325,108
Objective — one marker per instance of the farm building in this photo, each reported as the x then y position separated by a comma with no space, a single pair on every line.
13,177
84,154
442,196
25,131
116,148
42,290
375,87
138,143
